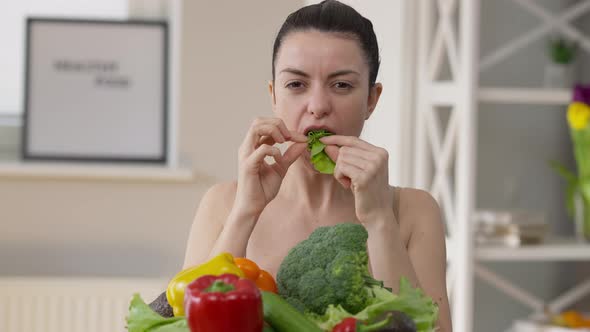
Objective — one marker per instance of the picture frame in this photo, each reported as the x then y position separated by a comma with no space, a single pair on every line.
96,90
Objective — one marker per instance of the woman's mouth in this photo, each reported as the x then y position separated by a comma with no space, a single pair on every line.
317,128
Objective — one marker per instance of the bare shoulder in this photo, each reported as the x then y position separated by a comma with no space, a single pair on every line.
220,197
215,206
421,209
414,200
427,247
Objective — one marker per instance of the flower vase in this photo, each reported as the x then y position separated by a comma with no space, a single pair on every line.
582,218
559,76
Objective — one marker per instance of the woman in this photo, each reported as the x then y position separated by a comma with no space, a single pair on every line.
325,63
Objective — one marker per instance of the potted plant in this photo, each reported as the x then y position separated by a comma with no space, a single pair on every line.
560,72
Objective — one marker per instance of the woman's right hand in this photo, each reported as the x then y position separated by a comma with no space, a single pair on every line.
259,181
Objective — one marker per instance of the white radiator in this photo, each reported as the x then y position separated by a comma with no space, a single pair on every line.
70,304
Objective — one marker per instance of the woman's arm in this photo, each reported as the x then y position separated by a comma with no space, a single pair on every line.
211,215
235,234
228,213
424,260
363,168
218,226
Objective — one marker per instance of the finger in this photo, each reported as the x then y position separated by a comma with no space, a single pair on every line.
372,156
353,159
256,159
268,140
335,152
298,137
273,131
332,151
278,166
345,173
282,127
259,129
351,141
292,153
339,175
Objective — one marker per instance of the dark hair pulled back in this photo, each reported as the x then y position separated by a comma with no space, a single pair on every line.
333,16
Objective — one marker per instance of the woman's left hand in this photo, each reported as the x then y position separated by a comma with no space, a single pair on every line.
363,168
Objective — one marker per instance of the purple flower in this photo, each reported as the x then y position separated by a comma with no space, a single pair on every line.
582,94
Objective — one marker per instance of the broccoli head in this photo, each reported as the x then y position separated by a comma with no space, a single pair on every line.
329,267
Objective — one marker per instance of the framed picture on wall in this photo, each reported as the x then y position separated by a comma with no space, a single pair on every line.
95,90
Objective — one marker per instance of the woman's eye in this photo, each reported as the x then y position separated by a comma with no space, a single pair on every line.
343,86
295,85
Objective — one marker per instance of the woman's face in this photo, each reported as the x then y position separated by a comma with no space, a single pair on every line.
322,81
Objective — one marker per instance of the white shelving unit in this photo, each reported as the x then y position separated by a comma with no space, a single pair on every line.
553,249
438,149
524,96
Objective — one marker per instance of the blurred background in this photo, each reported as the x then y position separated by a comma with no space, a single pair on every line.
128,222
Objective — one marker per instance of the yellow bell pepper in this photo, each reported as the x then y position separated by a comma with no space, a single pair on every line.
218,265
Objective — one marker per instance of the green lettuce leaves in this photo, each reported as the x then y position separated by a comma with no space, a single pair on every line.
412,301
142,318
319,158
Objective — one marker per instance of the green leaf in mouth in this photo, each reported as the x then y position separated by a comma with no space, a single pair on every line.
319,158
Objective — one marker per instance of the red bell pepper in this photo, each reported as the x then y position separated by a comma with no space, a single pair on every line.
351,324
223,303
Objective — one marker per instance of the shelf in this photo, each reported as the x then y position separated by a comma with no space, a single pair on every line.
555,249
116,172
525,96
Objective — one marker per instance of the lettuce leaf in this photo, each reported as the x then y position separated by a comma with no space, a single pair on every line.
319,158
412,301
142,318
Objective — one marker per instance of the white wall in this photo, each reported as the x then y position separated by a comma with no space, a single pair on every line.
227,66
118,228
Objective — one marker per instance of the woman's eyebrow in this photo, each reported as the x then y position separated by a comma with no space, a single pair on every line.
332,75
295,72
343,72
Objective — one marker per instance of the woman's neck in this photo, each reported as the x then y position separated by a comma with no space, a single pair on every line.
315,191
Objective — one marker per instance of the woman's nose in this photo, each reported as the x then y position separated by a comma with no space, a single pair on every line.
319,103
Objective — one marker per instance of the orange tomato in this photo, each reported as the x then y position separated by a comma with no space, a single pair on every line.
266,282
261,278
250,269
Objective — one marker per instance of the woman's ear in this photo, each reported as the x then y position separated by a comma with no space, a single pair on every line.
374,94
273,99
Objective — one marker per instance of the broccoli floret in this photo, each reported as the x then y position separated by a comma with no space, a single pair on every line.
329,267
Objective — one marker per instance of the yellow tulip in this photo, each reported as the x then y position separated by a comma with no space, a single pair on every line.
578,115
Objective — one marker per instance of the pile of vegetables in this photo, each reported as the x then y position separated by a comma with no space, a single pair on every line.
327,277
323,283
